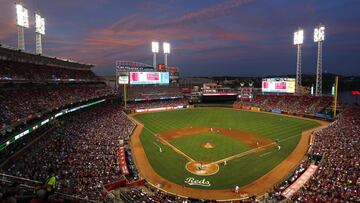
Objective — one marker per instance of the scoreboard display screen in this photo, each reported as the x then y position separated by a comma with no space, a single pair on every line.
278,85
145,78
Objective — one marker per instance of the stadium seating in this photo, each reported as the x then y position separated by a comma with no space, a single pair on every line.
152,92
288,103
82,151
11,70
140,195
31,89
157,103
335,151
21,103
337,178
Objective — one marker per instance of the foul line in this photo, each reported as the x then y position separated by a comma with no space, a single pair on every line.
170,145
265,154
176,149
243,153
157,145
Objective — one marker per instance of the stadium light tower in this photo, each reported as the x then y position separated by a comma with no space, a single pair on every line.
319,36
298,41
155,49
166,48
39,31
22,21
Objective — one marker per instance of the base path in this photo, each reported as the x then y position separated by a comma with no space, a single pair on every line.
258,187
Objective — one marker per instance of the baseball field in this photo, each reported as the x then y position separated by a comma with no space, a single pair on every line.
216,148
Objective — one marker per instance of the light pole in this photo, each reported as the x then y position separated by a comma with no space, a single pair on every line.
319,36
166,49
22,21
298,41
39,31
155,49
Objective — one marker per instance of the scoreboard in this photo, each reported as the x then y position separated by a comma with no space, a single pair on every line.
144,78
278,85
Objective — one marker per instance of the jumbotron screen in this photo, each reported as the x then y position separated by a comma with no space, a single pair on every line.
278,85
144,78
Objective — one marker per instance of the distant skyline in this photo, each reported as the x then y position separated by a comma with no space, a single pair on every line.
208,37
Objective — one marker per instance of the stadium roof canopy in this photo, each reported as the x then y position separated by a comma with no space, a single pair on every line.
10,54
133,66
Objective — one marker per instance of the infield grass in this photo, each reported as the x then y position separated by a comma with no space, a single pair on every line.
241,171
223,146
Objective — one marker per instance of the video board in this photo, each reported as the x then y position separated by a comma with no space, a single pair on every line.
278,85
144,78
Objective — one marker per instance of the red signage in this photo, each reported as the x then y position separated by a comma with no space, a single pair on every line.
122,161
265,85
152,76
280,85
355,92
173,69
161,68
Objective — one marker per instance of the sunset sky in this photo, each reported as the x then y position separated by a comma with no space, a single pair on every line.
208,37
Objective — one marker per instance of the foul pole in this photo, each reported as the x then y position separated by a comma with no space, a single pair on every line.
125,97
335,95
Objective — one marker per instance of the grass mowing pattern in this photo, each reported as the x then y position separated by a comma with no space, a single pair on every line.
241,171
224,146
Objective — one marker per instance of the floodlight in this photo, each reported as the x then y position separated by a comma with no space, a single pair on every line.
319,34
155,47
39,24
166,48
298,37
22,16
19,14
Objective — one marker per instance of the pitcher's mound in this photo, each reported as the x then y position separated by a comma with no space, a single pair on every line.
201,168
208,145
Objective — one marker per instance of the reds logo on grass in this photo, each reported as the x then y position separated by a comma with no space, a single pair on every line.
193,181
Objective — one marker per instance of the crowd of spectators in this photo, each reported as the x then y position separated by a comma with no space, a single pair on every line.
337,178
82,151
157,103
137,194
276,193
19,104
335,150
288,103
152,92
11,70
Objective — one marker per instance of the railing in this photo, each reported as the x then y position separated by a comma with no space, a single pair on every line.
33,185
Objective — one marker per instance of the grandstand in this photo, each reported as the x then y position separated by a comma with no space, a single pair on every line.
146,135
59,114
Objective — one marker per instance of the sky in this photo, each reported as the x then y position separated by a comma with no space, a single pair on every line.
207,37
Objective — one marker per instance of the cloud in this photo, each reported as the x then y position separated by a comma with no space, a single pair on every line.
137,30
129,37
7,21
207,13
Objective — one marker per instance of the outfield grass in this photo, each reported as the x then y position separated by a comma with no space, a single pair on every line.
224,146
241,171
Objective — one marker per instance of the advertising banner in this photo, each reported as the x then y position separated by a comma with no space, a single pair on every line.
293,188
